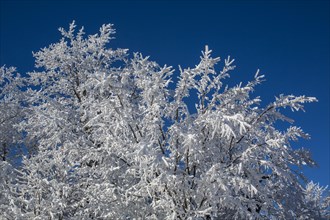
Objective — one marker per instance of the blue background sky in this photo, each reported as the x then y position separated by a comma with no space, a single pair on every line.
287,40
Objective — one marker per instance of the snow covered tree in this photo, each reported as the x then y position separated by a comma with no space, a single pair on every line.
111,138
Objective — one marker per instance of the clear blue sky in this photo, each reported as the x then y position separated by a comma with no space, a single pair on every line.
287,40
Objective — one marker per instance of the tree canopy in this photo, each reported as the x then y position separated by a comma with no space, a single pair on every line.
108,135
